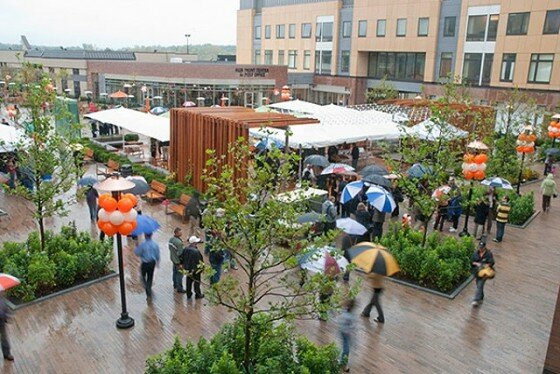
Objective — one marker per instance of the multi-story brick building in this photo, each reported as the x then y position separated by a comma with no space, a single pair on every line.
336,49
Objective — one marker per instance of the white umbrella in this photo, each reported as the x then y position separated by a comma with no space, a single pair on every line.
337,169
316,260
380,199
157,97
350,226
103,94
497,182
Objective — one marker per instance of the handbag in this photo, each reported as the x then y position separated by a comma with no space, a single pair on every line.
486,272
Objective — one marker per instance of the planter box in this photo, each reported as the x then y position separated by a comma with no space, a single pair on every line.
529,220
15,306
451,295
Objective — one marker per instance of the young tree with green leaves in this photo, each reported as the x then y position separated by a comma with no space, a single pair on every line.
383,91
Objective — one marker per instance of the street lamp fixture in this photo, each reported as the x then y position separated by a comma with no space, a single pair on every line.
187,36
525,145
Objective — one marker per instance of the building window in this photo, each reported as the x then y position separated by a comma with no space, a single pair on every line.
345,62
306,30
280,31
292,30
487,68
401,27
540,69
346,29
257,32
75,71
306,60
268,57
397,65
423,25
280,57
518,23
552,22
257,59
445,64
381,27
362,29
449,24
323,61
267,32
292,59
324,32
492,27
476,28
508,67
471,67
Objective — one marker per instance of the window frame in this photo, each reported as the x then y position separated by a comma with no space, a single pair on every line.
307,35
384,22
511,66
292,53
257,35
307,59
268,53
487,37
291,31
445,24
346,29
282,53
257,57
539,61
524,30
420,20
548,12
441,58
399,22
476,37
343,54
267,31
360,23
281,31
474,57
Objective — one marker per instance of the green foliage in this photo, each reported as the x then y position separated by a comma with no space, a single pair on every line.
276,350
383,91
131,137
522,207
442,264
69,257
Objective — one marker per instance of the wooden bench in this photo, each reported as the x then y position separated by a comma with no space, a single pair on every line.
88,155
179,206
112,167
157,191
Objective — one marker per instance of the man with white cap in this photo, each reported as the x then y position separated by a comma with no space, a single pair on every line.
192,263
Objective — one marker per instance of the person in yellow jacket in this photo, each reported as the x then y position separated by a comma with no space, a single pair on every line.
502,217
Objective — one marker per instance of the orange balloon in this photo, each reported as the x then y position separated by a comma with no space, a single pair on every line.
523,137
102,198
468,158
480,159
126,228
110,229
124,205
100,224
131,197
134,224
468,174
109,204
478,175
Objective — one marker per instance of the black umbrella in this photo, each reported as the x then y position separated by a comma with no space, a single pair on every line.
140,187
316,160
552,152
377,179
374,169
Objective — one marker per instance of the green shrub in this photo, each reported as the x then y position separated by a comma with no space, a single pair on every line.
131,137
66,267
522,207
42,272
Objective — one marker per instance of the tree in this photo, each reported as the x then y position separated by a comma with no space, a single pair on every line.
45,159
262,233
383,91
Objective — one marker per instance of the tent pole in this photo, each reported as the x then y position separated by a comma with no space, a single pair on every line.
300,169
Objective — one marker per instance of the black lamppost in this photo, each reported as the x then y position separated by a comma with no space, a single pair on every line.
115,184
473,169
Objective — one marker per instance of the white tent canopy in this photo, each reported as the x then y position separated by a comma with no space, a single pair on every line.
429,130
9,138
134,121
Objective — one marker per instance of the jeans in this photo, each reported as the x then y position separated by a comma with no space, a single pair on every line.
375,301
545,203
455,220
500,228
377,230
440,219
4,339
92,212
193,279
147,271
479,295
229,259
177,277
215,278
345,348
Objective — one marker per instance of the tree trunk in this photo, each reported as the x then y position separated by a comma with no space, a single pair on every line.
247,353
40,221
425,235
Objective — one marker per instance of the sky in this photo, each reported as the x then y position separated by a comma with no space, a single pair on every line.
119,23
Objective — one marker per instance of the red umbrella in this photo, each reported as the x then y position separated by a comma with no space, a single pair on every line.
8,281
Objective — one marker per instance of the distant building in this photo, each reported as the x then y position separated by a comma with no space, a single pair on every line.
227,58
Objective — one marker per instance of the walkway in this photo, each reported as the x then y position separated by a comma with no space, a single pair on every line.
76,333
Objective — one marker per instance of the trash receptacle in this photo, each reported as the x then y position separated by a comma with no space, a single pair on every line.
126,170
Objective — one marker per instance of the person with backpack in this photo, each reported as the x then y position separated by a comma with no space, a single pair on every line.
328,208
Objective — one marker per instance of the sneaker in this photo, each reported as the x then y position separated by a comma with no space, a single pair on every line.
378,320
475,303
180,290
9,358
451,229
201,296
496,240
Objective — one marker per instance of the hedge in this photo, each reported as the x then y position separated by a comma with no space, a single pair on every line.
69,258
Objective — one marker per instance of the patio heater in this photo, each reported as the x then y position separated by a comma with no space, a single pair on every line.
525,145
474,166
115,184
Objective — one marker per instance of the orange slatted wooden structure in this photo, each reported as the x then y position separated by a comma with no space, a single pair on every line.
195,130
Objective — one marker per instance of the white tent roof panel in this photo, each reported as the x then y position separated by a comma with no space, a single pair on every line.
134,121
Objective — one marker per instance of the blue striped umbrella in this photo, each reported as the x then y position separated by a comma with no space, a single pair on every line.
350,191
497,182
380,199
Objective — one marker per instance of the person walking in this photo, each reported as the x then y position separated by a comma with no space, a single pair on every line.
443,206
492,206
549,190
455,210
176,249
481,211
148,251
355,156
193,262
346,324
363,217
378,219
481,257
4,317
376,281
502,217
91,200
329,210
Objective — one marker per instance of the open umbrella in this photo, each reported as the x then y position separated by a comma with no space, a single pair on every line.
140,187
8,281
87,180
145,225
497,182
158,110
337,169
350,226
268,143
381,199
351,190
321,260
373,258
316,160
311,217
552,152
118,95
377,180
418,171
374,169
188,104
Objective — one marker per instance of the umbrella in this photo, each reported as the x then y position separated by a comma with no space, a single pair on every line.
268,143
497,182
380,199
4,178
351,190
440,191
373,258
477,145
418,171
374,169
322,260
552,152
316,160
8,281
140,187
157,97
145,225
311,217
556,116
188,104
337,169
87,180
139,177
118,95
350,226
158,110
378,180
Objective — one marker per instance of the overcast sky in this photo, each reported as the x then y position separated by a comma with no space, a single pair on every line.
118,23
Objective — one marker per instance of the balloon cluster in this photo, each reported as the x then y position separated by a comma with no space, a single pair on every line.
554,129
406,221
474,166
117,216
12,112
526,142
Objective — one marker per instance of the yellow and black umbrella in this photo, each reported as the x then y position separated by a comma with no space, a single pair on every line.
373,258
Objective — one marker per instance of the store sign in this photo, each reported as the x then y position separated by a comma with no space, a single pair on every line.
252,72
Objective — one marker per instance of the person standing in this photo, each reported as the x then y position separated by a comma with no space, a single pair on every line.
363,217
376,281
193,262
148,251
91,199
502,217
355,156
492,206
481,257
176,249
454,210
11,168
547,165
346,243
329,210
443,206
481,211
4,317
549,190
346,323
378,219
308,174
215,254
